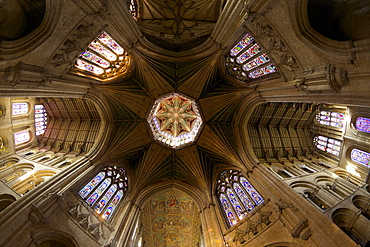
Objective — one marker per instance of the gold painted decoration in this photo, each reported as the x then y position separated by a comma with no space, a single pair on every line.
175,120
171,219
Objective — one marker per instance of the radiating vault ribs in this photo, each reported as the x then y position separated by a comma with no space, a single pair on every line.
175,120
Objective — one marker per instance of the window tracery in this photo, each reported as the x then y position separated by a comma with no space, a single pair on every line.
360,157
19,108
363,124
247,60
328,145
237,196
40,119
329,118
103,58
105,191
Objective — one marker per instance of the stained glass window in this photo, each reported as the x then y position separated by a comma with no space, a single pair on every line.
133,8
363,124
104,192
40,119
328,145
333,119
19,108
103,58
247,60
237,196
21,137
360,157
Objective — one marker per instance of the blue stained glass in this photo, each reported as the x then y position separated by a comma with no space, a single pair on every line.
234,201
243,197
248,39
363,124
227,208
104,201
256,62
360,157
262,71
91,185
250,52
251,191
99,191
112,206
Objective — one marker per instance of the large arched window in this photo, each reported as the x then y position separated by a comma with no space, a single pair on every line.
363,124
329,118
40,119
237,196
360,157
327,144
247,60
105,191
21,137
19,108
103,58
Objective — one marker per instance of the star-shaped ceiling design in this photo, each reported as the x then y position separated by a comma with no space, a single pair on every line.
175,120
198,75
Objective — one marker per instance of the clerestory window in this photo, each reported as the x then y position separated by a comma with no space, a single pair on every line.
326,144
247,60
103,58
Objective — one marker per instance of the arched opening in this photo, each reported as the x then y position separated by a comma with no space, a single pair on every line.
20,18
5,201
51,243
344,218
363,203
337,20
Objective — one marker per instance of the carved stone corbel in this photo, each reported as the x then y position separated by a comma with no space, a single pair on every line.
239,236
26,76
322,79
293,220
36,216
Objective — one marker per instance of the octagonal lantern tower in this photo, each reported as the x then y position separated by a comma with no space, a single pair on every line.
175,120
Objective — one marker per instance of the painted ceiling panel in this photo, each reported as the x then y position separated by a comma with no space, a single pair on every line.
171,219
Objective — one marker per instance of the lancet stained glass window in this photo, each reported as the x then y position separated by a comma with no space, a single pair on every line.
40,119
360,157
237,196
327,144
363,124
104,192
333,119
103,58
247,60
19,108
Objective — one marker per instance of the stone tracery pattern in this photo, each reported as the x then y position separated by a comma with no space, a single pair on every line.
237,196
105,191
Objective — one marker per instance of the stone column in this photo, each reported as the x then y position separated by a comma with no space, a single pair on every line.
211,227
